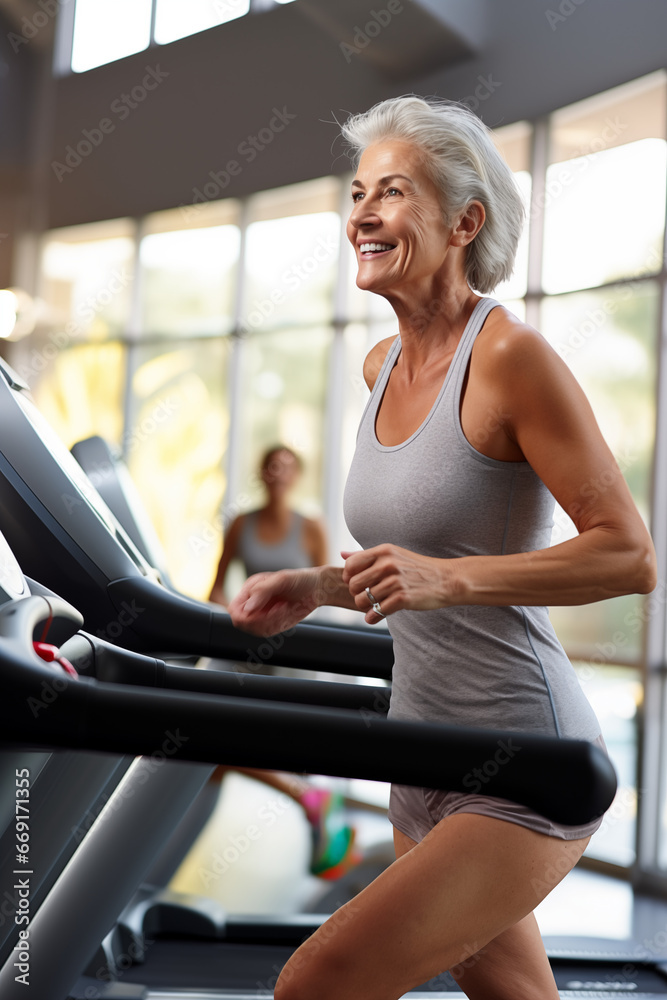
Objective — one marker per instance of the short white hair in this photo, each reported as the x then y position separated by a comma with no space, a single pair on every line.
464,163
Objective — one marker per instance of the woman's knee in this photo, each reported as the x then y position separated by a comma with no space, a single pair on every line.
305,977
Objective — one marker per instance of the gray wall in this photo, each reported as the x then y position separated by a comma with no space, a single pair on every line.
17,79
545,62
222,85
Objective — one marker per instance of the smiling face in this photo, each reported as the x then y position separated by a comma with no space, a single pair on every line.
396,224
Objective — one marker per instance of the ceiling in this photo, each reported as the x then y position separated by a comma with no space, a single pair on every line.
420,36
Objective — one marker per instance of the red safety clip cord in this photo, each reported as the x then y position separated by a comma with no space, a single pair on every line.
50,654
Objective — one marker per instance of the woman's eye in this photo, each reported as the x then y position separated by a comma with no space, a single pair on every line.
357,195
393,191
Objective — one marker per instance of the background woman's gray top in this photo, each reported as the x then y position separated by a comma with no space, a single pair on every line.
436,495
260,557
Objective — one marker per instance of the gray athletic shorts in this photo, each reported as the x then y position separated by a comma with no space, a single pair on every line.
415,811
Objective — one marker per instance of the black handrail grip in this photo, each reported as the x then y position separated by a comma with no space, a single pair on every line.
94,657
568,781
161,621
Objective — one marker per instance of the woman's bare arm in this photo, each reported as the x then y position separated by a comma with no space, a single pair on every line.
229,550
269,603
315,541
548,416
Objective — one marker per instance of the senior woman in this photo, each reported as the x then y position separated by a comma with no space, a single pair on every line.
474,425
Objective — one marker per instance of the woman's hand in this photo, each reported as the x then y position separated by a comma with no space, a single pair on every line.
398,579
269,603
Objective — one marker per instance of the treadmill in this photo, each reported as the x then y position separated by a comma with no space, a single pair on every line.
93,896
69,539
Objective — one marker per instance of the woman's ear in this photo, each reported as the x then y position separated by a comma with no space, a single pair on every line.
469,224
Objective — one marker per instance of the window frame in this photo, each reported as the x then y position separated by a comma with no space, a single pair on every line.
64,33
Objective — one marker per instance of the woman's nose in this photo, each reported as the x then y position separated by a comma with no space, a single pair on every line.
364,213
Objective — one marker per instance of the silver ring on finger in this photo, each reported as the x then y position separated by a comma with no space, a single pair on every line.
377,609
370,596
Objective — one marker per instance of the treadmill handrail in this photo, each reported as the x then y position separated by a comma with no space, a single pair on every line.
179,624
568,781
173,623
19,619
94,657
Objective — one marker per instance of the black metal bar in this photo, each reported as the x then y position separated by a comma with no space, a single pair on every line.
162,622
568,781
102,660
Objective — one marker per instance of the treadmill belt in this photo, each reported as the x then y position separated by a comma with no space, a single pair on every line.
201,964
197,966
221,965
617,978
195,969
587,979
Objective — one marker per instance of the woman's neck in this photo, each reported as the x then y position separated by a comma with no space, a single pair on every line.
276,509
431,323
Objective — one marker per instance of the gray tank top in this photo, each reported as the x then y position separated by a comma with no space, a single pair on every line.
258,557
488,667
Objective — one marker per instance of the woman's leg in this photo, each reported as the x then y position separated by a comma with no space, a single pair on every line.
514,957
514,964
289,784
442,902
333,839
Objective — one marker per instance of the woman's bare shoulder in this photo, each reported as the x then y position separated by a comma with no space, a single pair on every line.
375,359
506,342
516,366
235,527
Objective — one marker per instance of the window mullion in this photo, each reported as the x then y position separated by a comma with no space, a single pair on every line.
134,331
64,40
235,381
538,169
653,749
334,417
655,696
152,41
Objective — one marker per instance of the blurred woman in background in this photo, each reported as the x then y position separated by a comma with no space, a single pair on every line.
270,538
274,536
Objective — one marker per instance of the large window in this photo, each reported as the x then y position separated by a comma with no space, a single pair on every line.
94,32
175,445
188,271
105,30
598,303
197,339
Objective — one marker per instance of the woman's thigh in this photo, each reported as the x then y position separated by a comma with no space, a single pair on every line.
471,879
